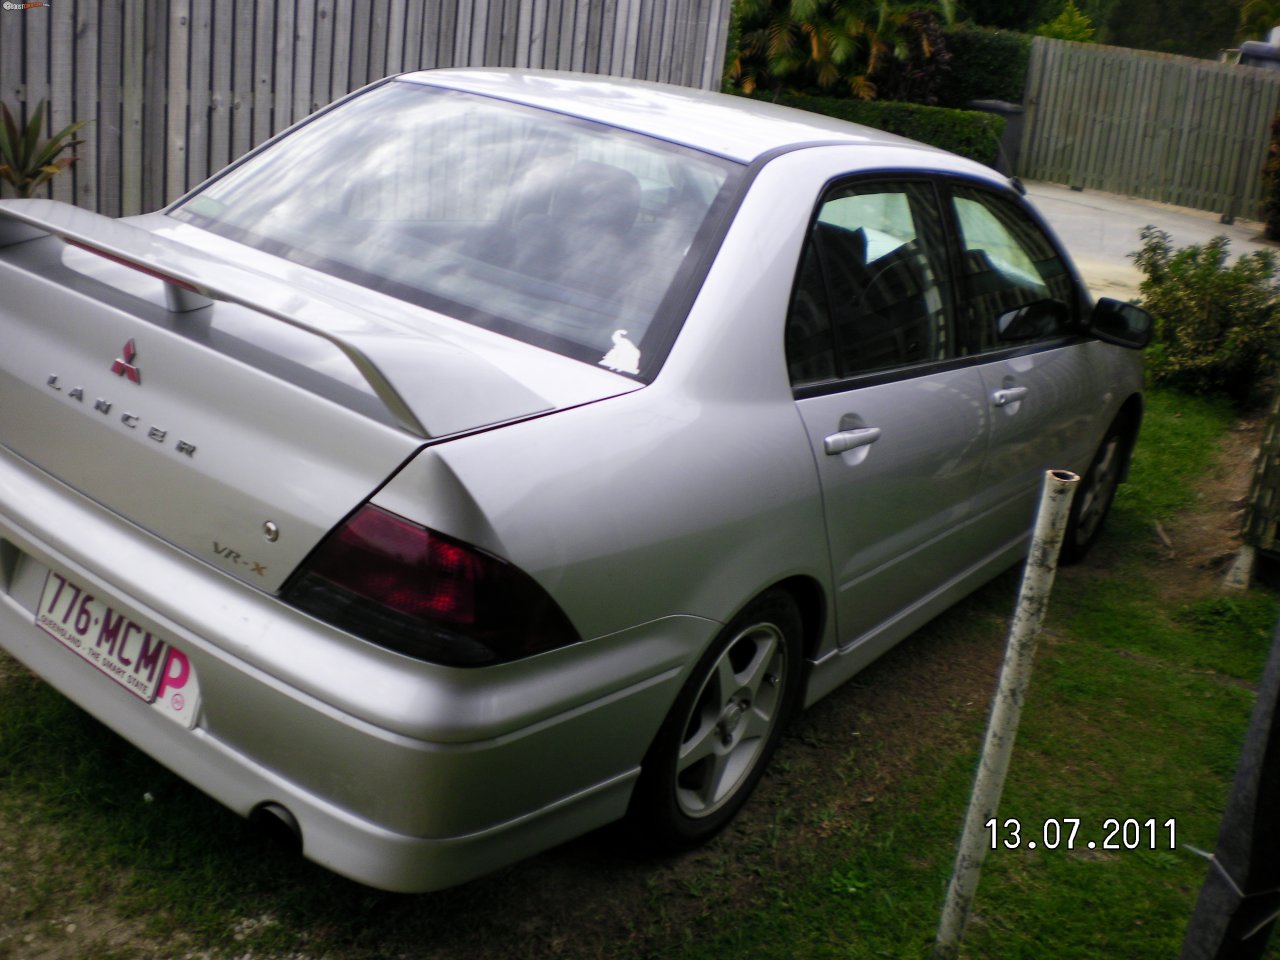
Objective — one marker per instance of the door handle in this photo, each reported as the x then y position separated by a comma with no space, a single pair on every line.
1009,395
849,439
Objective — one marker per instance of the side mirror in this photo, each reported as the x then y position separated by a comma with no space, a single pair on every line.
1123,324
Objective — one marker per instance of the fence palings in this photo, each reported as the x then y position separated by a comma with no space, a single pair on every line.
1174,129
179,88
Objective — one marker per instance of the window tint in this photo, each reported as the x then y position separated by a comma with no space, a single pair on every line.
868,295
1015,287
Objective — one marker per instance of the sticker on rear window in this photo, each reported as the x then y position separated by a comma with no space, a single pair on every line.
624,356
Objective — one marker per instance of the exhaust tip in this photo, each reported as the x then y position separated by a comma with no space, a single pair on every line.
279,825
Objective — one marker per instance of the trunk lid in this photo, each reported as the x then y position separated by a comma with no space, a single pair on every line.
235,414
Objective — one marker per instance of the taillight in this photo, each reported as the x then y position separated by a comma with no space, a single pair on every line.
403,586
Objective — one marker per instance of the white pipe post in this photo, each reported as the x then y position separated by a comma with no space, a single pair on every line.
1002,727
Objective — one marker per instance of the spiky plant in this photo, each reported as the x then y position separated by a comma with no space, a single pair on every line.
26,161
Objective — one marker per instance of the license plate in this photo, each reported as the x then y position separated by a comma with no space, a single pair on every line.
148,666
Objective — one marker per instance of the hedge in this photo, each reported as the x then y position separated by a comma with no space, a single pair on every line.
966,132
986,64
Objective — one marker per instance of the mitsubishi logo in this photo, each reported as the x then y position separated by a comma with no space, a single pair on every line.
124,367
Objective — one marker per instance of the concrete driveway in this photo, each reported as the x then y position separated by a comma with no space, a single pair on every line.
1101,229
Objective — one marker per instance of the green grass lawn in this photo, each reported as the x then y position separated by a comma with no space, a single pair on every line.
1137,711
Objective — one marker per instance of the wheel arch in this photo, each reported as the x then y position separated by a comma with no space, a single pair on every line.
659,810
1130,414
811,600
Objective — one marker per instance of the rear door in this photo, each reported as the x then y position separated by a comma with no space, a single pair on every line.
898,429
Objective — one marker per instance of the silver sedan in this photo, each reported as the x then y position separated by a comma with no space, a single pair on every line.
496,454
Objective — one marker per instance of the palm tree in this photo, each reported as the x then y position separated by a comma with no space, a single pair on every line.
820,44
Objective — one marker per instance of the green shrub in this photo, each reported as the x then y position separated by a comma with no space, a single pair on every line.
985,65
1217,325
1070,24
966,132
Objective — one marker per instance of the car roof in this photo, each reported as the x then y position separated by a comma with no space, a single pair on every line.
738,128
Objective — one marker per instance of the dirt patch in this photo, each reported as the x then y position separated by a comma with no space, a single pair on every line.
1200,545
42,916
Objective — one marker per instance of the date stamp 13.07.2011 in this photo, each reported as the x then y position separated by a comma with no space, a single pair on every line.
1074,833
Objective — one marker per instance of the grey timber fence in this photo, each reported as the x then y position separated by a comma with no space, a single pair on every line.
179,88
1174,129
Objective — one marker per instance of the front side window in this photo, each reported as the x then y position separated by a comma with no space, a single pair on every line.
554,230
1015,287
869,295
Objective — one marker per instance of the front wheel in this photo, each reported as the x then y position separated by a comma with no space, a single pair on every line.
1097,490
714,746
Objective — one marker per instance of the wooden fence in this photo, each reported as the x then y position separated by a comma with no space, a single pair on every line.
1189,132
179,88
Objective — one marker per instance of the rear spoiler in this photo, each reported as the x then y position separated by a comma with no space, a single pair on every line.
442,388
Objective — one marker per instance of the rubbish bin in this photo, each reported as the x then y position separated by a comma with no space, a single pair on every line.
1259,53
1007,160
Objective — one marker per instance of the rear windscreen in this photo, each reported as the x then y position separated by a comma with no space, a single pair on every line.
560,232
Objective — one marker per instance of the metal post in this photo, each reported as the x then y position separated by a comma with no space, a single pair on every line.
1002,727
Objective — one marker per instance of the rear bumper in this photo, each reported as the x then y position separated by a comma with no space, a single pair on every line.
401,775
337,838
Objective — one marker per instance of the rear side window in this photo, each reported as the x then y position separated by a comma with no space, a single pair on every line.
1014,286
869,294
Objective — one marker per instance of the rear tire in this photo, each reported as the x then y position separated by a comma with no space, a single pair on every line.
715,744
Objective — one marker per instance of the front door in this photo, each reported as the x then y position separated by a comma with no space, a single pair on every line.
1017,311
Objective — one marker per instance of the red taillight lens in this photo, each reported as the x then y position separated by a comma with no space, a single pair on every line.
401,565
409,588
